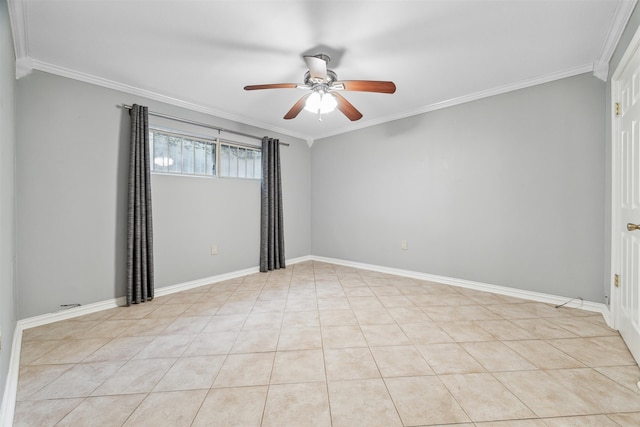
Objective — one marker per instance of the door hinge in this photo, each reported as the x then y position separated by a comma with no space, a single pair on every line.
617,108
616,280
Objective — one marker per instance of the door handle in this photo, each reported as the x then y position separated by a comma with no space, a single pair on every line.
633,227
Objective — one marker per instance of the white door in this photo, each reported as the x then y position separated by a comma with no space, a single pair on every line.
626,199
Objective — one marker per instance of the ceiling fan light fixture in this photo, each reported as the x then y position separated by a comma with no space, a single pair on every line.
321,103
325,86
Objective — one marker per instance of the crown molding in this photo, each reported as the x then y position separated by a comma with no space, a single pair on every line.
17,18
110,84
546,78
618,24
601,70
25,65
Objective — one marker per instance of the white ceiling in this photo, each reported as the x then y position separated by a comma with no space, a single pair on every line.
200,54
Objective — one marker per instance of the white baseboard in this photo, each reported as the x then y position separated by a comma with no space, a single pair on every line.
9,397
70,313
167,290
495,289
185,286
44,319
11,387
300,259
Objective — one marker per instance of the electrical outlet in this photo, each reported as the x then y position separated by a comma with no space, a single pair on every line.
403,245
214,249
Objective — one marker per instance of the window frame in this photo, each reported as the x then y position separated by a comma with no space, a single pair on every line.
217,144
246,148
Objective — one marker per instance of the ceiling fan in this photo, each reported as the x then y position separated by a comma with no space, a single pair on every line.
324,86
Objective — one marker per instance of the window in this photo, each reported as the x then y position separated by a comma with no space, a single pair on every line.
180,154
189,155
240,162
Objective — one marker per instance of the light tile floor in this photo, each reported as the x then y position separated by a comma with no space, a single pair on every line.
323,345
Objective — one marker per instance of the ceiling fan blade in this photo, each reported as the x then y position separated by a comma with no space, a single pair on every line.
317,67
347,108
272,86
365,86
297,107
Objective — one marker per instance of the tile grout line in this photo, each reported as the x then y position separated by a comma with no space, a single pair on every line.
380,282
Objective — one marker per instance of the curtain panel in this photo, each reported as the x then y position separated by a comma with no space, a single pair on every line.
271,225
140,287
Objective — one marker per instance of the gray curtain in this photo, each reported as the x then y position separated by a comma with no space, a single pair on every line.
271,225
139,223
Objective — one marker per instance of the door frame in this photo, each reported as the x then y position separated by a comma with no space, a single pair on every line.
631,51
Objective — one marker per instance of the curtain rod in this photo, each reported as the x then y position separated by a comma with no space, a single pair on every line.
192,122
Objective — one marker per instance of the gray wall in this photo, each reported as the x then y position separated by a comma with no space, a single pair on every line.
7,192
507,190
192,213
71,182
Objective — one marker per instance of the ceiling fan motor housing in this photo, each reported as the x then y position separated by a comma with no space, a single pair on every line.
331,77
320,81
